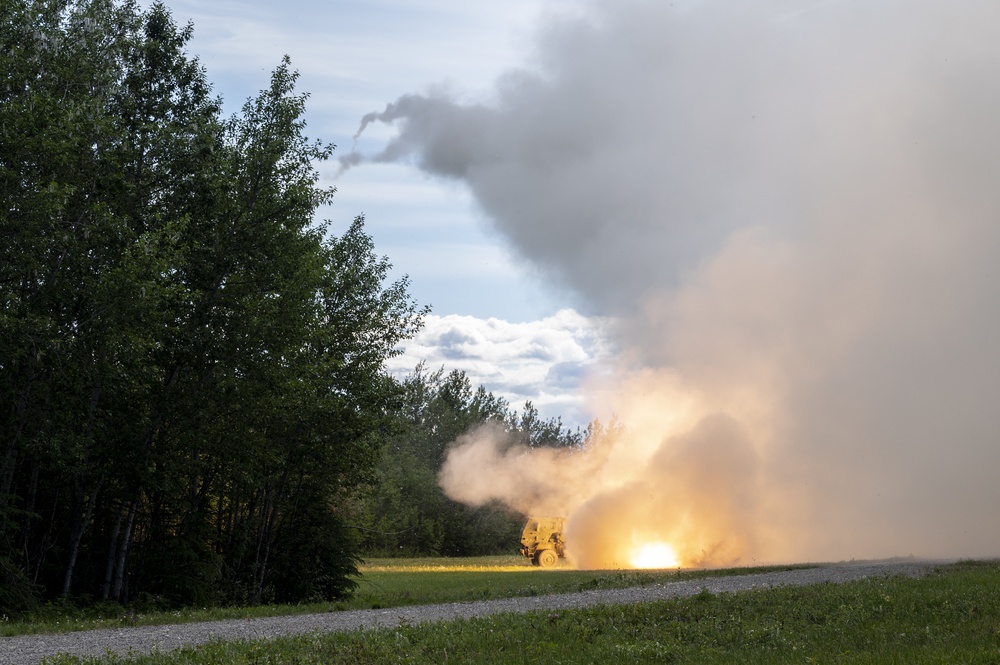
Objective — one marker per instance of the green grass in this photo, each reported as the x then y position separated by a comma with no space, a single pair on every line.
394,582
383,583
950,616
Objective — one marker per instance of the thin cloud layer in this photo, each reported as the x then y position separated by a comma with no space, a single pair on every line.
793,210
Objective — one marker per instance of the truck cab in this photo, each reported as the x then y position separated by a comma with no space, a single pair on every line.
542,540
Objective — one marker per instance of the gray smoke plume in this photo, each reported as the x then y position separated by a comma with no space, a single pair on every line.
794,210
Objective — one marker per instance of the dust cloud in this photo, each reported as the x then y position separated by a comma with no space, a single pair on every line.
792,210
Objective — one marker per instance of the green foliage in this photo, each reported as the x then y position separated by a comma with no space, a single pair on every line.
189,364
17,593
313,556
406,513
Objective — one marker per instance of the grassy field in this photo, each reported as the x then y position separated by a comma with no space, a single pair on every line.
950,616
396,582
383,583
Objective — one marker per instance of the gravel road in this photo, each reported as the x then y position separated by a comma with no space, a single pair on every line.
31,649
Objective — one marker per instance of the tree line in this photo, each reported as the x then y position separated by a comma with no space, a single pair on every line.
194,405
406,513
191,368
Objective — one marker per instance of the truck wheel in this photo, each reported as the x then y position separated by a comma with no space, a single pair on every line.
547,558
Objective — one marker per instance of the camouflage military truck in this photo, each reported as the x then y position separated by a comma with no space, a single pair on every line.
542,540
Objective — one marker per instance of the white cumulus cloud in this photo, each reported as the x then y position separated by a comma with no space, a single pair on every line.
547,361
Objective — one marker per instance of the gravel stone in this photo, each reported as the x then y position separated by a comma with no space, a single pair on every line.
30,649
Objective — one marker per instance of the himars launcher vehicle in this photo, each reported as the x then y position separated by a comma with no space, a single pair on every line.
542,540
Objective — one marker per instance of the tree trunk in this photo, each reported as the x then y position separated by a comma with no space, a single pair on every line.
10,455
80,524
263,549
126,540
27,527
109,569
81,516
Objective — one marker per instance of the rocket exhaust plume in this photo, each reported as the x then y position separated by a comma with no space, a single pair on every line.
632,502
791,210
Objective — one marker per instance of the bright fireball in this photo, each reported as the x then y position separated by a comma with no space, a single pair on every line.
655,555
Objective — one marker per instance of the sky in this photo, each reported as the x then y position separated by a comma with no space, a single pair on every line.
493,315
353,58
763,233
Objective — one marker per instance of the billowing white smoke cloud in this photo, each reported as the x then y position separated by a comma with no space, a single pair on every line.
793,208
